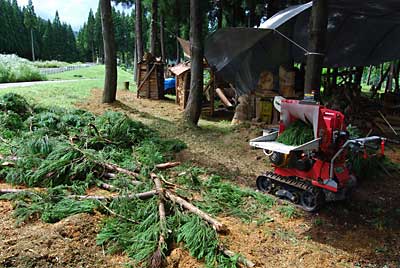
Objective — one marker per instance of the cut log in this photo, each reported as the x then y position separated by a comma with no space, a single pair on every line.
168,165
218,226
242,260
223,98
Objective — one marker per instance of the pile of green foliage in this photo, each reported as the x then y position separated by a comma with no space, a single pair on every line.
57,146
296,134
16,69
212,195
62,150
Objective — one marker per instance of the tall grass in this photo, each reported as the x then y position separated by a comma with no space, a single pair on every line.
16,69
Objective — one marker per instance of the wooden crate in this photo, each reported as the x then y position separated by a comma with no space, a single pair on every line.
150,80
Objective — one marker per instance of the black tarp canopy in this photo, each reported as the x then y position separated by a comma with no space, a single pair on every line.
360,33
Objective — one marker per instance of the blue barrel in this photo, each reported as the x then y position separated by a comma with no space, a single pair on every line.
169,83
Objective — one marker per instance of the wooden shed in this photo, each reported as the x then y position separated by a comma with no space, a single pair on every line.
150,79
182,83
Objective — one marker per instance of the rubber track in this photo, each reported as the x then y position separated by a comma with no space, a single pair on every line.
292,181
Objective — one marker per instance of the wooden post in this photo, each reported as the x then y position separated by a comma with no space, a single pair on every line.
317,43
148,71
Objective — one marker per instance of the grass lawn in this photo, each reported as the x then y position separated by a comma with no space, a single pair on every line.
67,93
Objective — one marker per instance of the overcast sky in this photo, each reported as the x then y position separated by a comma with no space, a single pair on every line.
74,12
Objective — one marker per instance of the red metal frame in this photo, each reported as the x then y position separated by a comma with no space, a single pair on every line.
329,121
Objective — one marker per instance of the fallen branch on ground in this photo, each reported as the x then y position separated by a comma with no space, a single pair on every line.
168,165
218,226
142,196
110,166
107,186
117,214
242,260
12,191
117,168
157,257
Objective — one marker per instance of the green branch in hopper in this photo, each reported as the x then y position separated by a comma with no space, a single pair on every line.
296,134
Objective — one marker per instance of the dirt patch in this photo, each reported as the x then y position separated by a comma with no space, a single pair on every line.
179,258
68,243
215,145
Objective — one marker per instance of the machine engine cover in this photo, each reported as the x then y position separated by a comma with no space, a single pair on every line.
279,159
304,164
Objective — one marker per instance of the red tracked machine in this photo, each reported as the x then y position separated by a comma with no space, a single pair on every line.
316,171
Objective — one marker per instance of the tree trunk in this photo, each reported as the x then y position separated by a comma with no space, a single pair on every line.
138,30
177,14
193,108
110,59
335,74
396,78
317,43
219,15
153,33
162,44
135,65
33,46
178,50
369,75
376,88
235,13
93,53
389,83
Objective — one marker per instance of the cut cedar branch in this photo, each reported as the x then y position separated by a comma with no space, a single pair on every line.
157,258
142,196
218,226
241,259
168,165
107,186
117,168
109,166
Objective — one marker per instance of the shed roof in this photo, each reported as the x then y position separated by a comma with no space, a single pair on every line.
180,68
